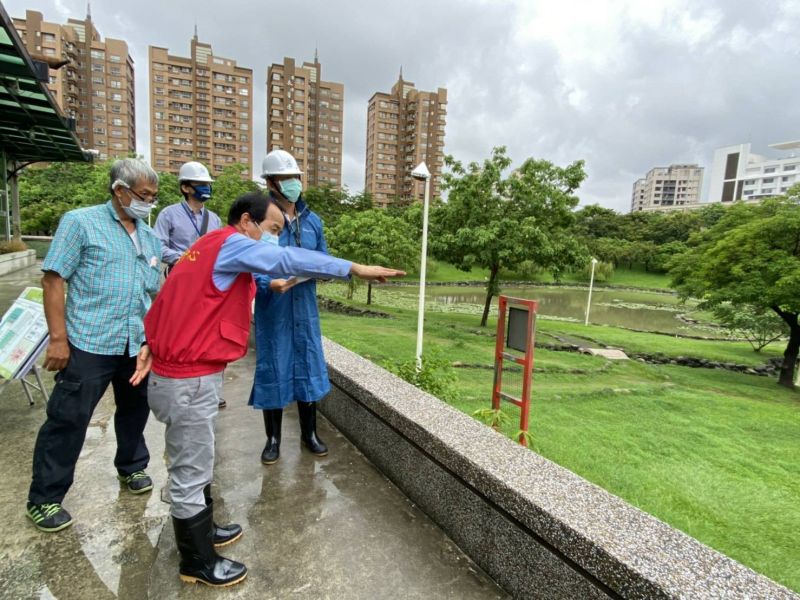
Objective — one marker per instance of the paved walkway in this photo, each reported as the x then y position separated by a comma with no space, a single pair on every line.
314,528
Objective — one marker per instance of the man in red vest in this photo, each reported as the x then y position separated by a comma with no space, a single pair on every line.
190,349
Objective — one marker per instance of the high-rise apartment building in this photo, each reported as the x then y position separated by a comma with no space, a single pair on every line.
305,118
201,108
739,174
677,187
404,128
94,82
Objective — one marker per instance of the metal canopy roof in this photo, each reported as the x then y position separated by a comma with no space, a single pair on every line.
32,127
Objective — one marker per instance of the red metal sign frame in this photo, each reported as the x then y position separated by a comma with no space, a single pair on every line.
500,355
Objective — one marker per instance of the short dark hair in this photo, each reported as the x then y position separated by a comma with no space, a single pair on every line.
252,203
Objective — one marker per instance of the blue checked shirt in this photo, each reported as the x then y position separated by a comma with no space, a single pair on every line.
109,280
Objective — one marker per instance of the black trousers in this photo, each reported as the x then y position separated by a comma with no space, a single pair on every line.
77,391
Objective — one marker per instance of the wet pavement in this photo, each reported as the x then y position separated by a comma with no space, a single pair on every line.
329,527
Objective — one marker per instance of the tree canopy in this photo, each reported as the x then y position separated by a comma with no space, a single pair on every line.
374,237
496,219
750,256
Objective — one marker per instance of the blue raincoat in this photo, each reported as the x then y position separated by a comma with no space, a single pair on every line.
290,364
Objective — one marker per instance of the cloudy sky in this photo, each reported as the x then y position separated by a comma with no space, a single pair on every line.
625,85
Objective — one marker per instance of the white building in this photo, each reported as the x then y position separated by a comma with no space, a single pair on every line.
738,174
676,187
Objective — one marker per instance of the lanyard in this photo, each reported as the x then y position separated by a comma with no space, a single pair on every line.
190,216
295,227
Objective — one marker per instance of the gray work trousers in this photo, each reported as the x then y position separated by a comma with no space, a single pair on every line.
188,407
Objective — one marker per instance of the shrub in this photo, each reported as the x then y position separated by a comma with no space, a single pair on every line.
436,377
603,271
12,246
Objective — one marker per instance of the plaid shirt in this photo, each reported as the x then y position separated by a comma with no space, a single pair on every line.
109,280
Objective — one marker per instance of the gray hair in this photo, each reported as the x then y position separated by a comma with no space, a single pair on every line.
129,172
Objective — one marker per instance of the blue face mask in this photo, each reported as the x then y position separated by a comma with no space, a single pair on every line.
270,238
291,189
202,191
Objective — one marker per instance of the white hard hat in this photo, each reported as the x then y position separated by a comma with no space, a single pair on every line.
279,162
194,171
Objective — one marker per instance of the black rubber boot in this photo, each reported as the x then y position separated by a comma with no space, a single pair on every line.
199,561
223,534
308,428
272,425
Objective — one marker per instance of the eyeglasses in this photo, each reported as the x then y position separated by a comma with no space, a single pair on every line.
153,198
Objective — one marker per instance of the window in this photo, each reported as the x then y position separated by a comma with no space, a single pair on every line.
769,169
114,58
98,54
276,77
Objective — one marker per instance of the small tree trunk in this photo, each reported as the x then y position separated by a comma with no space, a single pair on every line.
786,377
369,292
351,287
16,223
491,289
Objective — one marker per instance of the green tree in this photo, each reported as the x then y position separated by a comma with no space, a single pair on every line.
227,187
497,221
758,325
47,192
596,221
751,256
331,202
373,237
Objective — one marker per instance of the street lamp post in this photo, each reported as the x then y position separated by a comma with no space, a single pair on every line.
421,173
591,284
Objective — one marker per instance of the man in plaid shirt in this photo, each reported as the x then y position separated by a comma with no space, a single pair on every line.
111,260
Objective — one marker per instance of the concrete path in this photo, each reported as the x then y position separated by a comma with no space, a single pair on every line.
314,528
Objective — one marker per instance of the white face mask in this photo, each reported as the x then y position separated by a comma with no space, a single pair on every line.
138,209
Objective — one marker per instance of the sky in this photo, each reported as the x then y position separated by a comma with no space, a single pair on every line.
625,85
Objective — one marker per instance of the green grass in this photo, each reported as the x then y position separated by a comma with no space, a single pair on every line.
713,453
442,271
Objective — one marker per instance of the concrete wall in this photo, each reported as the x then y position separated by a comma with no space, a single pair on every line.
14,261
538,529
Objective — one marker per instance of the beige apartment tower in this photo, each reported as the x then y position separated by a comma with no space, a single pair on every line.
93,80
404,128
677,187
201,108
305,118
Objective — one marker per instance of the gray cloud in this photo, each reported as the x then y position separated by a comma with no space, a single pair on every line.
625,88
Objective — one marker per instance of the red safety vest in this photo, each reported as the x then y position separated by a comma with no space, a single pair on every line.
194,328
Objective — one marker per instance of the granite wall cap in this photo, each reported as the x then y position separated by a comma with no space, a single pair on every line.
632,552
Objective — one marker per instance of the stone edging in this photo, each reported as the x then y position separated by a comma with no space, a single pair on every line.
535,527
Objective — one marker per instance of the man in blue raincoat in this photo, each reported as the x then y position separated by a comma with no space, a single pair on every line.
290,364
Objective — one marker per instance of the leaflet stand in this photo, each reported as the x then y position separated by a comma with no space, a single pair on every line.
23,338
39,385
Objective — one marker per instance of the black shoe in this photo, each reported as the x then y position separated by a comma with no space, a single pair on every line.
137,483
272,425
199,561
308,428
223,534
222,404
49,516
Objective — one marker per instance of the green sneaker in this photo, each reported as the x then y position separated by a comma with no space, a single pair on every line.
138,482
49,516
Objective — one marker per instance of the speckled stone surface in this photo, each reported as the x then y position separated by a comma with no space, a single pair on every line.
537,528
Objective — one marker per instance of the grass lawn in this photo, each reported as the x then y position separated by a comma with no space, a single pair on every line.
441,271
713,453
